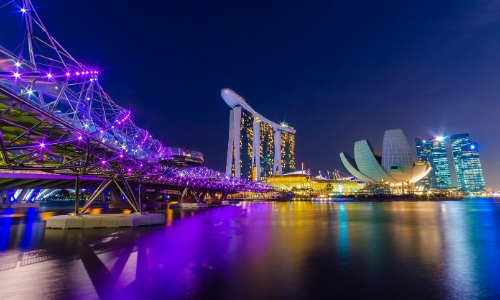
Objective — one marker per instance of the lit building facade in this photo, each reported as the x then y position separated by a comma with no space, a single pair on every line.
467,163
394,166
457,142
302,182
256,142
424,154
433,151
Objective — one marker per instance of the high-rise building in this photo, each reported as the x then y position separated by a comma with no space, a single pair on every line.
434,152
467,163
256,142
457,142
424,154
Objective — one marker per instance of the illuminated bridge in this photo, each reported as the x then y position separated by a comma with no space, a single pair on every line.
56,118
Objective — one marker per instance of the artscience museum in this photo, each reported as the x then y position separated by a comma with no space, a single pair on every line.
395,166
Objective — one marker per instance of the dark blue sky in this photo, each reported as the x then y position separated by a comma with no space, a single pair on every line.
336,71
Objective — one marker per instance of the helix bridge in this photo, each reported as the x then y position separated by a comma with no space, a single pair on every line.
55,117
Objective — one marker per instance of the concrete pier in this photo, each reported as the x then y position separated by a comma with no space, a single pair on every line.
104,221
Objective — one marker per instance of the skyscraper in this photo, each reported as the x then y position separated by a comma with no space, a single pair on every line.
457,142
424,153
255,141
434,152
467,163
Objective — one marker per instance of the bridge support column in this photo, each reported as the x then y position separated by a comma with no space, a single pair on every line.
96,193
77,195
127,197
129,194
116,197
140,195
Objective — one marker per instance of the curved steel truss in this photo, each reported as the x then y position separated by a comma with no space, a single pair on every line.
56,117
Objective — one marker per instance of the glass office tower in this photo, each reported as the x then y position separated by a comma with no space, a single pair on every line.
467,163
434,152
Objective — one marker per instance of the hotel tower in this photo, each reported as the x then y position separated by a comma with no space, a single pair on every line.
256,145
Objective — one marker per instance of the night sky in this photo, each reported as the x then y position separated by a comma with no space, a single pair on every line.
336,71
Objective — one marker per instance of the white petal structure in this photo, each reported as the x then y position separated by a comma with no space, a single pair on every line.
394,166
350,165
396,155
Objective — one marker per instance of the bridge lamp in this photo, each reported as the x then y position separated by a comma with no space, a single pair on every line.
17,75
17,64
42,145
80,138
30,92
68,74
23,10
49,75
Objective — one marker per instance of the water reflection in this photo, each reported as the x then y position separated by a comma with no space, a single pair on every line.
263,250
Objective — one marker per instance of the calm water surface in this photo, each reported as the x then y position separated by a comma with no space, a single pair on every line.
393,250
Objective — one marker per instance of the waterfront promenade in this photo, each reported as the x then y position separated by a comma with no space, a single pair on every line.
266,250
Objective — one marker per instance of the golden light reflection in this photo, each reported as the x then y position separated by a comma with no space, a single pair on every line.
170,217
95,211
126,211
45,215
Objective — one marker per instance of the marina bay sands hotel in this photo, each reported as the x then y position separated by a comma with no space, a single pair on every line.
257,147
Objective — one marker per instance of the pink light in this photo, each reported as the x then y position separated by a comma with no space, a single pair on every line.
67,74
79,137
49,75
77,73
103,162
17,75
42,145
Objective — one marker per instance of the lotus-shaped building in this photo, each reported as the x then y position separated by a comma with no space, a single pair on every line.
394,166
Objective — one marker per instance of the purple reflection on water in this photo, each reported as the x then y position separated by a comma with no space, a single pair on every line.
412,250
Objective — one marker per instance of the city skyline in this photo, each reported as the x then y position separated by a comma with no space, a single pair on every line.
328,80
